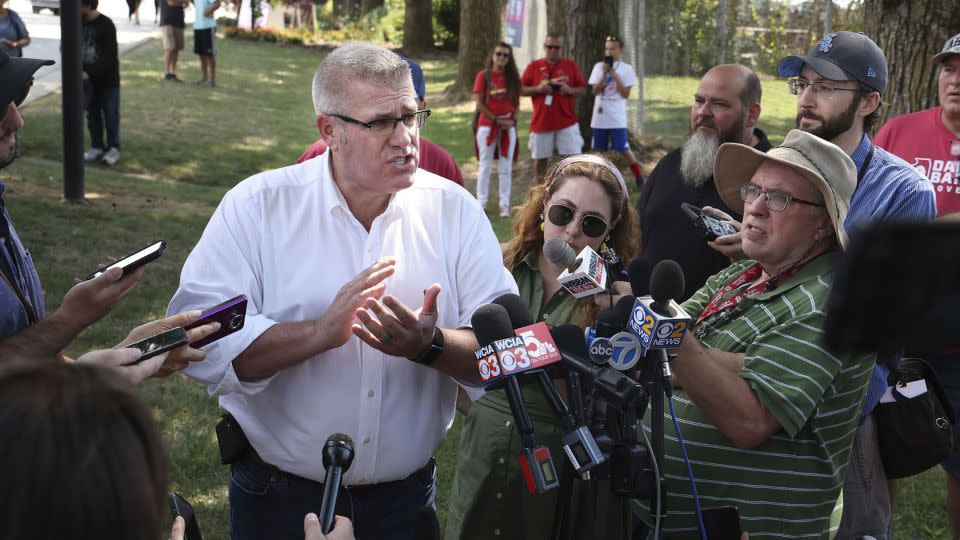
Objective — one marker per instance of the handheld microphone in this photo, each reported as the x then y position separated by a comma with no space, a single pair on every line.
491,324
619,391
337,456
639,275
609,343
658,320
584,274
578,443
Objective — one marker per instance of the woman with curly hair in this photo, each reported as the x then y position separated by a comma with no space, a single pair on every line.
583,200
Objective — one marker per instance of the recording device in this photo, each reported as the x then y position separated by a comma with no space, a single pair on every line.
337,457
608,60
584,274
721,523
709,226
134,260
494,332
555,86
160,343
920,262
180,507
658,320
231,315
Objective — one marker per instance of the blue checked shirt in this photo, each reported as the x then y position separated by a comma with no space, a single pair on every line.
889,190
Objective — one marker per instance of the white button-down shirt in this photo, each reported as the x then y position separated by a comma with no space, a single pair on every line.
287,240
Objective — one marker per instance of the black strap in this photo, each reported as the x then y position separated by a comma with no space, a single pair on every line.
866,163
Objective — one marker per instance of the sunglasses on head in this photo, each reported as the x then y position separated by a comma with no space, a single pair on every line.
20,98
561,215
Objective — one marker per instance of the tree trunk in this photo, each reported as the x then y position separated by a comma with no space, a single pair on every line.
722,41
827,16
418,27
366,6
912,84
481,28
586,25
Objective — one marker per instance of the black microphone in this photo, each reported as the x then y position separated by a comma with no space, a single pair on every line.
578,443
639,274
621,392
491,324
337,457
666,284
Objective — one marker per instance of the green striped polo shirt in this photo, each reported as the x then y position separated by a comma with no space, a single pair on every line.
787,486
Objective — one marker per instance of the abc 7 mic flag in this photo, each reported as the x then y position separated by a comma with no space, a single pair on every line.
620,351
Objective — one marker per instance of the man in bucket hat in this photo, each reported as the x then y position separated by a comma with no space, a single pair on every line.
930,141
767,414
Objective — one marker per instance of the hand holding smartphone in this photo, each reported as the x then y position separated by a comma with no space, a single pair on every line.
134,260
231,315
710,227
180,507
160,343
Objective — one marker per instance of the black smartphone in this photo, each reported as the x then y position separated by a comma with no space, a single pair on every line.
709,226
134,260
722,523
180,507
160,343
230,314
608,60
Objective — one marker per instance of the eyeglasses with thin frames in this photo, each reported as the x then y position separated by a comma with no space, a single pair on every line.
775,200
561,215
18,100
822,90
385,126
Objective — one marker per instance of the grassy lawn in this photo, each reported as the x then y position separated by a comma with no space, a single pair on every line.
184,146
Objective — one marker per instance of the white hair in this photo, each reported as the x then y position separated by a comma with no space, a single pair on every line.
357,61
697,156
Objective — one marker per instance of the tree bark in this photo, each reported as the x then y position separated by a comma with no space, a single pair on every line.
722,41
366,6
586,25
418,27
909,34
481,28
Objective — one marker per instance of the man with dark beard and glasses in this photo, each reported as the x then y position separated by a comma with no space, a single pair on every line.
838,87
725,109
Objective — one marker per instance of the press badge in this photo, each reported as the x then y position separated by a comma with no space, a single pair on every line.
549,100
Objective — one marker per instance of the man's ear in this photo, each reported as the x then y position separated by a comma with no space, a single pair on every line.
328,129
868,103
753,114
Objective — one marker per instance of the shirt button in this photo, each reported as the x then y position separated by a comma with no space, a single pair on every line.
546,315
366,440
499,495
370,393
507,423
500,461
496,532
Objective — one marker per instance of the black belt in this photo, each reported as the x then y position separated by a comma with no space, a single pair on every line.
251,454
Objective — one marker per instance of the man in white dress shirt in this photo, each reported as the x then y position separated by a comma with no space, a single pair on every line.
362,273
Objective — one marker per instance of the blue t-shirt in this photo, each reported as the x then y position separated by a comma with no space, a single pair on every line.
13,29
201,21
18,270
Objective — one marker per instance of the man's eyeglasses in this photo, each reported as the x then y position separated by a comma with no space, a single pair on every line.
820,89
385,126
499,54
558,47
19,99
561,215
778,201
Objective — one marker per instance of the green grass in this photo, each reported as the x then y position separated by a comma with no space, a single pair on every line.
194,143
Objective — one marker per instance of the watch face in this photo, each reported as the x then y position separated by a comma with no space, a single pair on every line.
432,351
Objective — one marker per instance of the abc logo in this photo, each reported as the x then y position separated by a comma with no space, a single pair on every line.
601,350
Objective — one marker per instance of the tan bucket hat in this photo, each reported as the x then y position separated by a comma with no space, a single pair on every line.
822,163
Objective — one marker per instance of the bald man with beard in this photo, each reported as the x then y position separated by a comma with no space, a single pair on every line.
725,109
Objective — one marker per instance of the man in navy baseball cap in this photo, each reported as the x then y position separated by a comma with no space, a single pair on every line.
16,78
842,56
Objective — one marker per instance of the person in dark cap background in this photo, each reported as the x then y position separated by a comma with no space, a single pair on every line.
839,86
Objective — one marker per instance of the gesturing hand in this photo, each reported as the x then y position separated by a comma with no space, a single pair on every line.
397,330
336,324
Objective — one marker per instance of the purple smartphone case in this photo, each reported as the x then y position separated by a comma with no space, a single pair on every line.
230,314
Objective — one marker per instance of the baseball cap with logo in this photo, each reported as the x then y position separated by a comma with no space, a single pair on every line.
952,46
842,56
823,164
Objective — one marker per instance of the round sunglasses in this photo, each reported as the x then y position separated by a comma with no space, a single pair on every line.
561,215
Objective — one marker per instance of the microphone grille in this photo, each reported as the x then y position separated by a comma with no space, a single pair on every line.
340,439
559,252
666,281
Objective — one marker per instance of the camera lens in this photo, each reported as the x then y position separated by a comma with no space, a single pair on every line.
236,321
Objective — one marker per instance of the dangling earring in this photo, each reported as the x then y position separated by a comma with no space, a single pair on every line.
608,253
542,226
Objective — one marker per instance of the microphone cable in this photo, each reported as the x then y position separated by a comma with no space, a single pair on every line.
686,461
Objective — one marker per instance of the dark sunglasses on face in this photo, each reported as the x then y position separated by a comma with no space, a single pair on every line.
561,215
19,99
558,47
499,54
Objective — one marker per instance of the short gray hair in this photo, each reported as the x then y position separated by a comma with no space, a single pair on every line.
357,61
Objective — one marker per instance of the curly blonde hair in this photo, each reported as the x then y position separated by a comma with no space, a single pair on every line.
624,235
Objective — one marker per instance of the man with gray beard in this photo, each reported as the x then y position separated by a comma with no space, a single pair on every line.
725,109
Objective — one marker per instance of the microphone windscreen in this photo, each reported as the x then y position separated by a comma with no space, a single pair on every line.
559,252
608,322
516,308
569,338
639,275
666,281
624,308
490,323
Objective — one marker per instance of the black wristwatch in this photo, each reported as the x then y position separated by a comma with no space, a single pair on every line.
432,351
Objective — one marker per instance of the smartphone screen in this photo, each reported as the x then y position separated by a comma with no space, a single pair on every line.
231,315
135,260
160,343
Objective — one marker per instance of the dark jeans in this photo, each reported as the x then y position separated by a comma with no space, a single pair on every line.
266,503
103,110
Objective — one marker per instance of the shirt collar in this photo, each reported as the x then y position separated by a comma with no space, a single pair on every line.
333,197
821,265
860,154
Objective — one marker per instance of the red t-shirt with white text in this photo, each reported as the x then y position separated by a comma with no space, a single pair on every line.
498,98
923,141
559,114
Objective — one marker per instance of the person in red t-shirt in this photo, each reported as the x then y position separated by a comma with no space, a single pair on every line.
497,91
553,83
433,158
930,139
